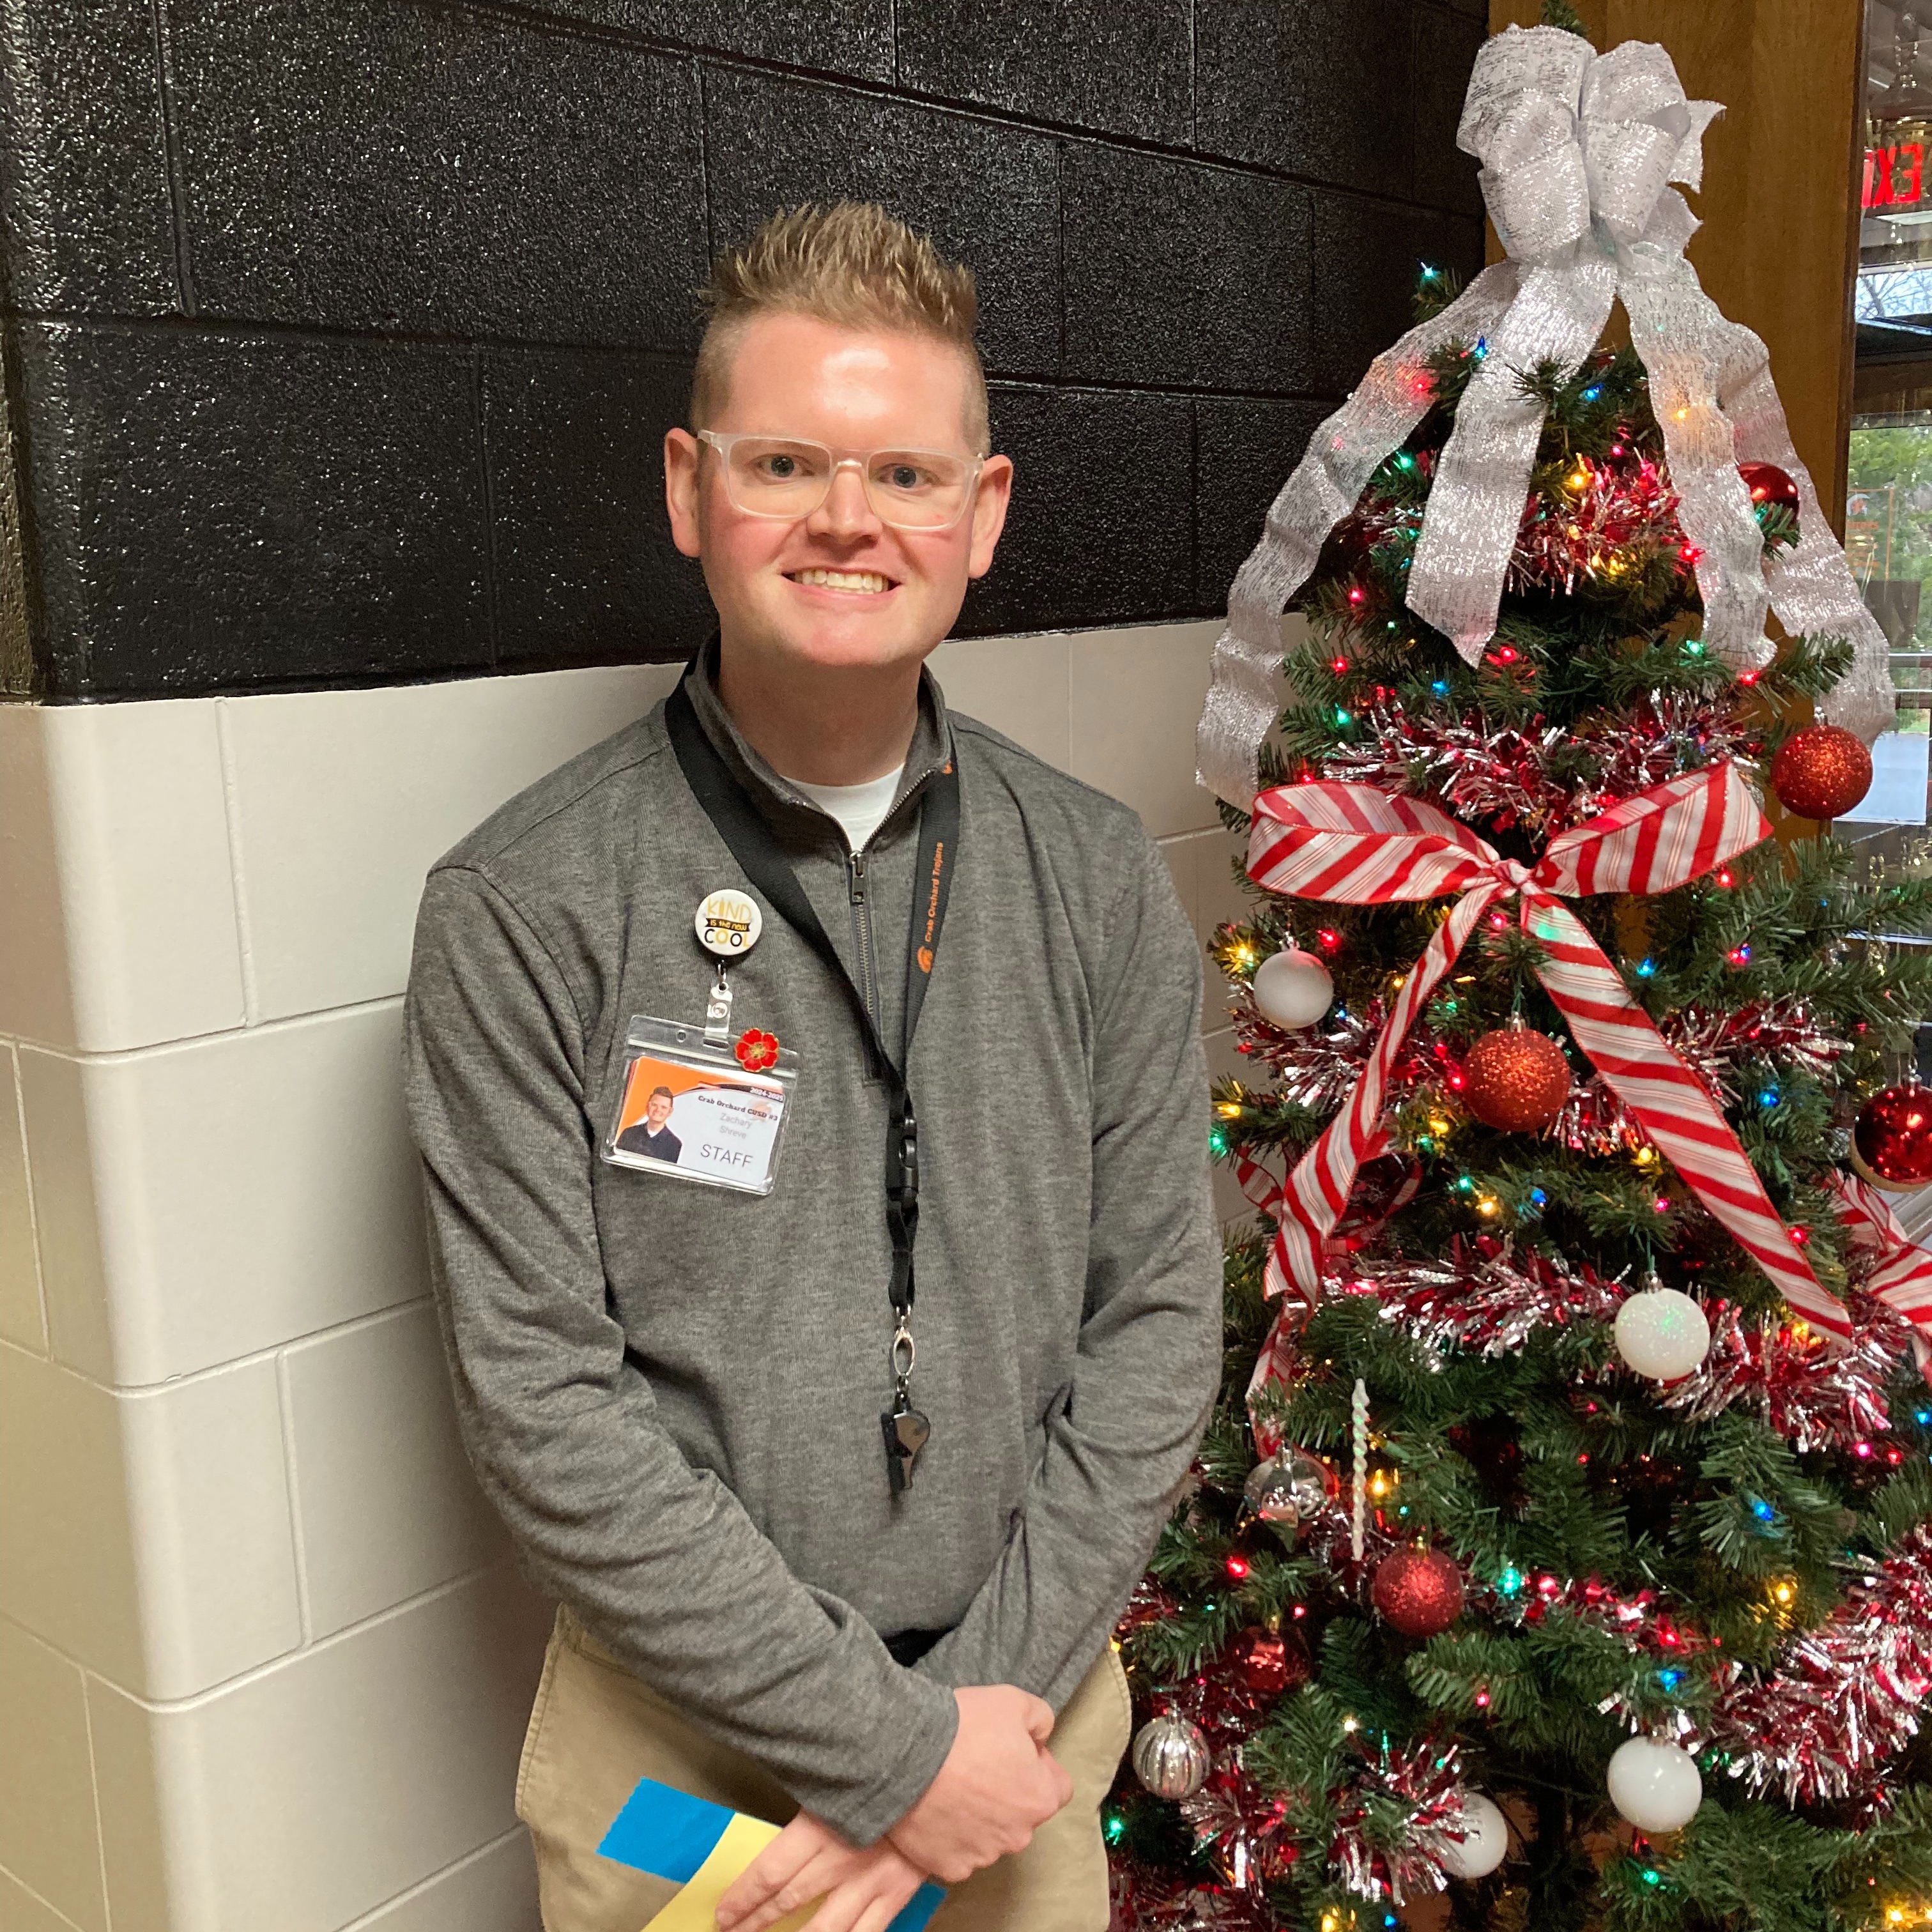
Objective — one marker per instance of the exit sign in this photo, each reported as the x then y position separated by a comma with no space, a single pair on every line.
1894,177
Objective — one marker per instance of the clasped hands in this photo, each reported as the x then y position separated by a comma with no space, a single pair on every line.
999,1784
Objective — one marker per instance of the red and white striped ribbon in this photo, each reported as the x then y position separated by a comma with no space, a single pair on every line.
1902,1278
1275,1365
1350,842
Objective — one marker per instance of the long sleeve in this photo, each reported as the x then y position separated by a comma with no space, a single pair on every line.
657,1557
1149,1348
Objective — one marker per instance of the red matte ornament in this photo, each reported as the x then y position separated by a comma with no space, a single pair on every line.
756,1051
1266,1663
1767,484
1891,1139
1419,1591
1516,1079
1821,771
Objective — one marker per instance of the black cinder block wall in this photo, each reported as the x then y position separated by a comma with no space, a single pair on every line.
340,335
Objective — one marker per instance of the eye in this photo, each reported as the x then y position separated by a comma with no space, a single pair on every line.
903,476
778,467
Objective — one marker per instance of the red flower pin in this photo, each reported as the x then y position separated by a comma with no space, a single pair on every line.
756,1051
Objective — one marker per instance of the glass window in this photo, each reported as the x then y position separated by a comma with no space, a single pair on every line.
1888,508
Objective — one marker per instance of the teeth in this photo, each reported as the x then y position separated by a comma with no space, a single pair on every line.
867,580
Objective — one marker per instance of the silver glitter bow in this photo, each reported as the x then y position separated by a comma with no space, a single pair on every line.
1578,151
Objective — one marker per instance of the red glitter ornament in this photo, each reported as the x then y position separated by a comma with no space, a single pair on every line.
1418,1590
1267,1662
1891,1139
1821,771
1769,484
1516,1079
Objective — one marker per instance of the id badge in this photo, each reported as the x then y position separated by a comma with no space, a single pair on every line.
688,1109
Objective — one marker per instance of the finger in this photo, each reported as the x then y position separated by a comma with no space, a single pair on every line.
1039,1716
881,1913
814,1879
868,1902
840,1912
787,1854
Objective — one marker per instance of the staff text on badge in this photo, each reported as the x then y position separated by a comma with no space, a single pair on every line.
728,924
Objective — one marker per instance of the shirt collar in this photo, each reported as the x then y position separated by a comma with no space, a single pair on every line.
931,745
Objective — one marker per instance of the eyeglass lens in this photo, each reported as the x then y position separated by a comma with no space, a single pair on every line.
917,489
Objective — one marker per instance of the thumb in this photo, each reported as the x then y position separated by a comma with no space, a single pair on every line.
1039,1718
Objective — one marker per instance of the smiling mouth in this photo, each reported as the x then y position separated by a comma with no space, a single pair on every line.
865,582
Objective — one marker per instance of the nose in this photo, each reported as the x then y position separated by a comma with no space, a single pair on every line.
846,511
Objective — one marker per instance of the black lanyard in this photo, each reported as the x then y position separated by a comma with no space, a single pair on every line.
743,828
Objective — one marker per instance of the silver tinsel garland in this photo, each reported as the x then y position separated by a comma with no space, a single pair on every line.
1485,1296
1814,1395
1713,1042
1502,776
1426,1780
1847,1695
1318,1065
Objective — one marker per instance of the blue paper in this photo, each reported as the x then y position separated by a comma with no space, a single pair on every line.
664,1831
669,1833
918,1909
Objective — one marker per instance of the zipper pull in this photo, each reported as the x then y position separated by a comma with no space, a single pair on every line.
855,868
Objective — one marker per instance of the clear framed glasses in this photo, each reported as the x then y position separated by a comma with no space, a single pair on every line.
790,476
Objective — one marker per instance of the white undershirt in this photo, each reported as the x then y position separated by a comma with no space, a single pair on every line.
860,809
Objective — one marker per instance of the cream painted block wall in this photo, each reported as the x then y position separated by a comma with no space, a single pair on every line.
262,1651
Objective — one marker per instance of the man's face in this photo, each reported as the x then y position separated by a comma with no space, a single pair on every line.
854,391
657,1110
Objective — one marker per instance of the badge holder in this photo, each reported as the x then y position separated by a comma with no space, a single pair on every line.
691,1107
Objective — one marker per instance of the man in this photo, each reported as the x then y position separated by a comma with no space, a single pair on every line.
650,1135
835,1539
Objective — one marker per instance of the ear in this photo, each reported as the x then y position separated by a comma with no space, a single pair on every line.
681,451
989,512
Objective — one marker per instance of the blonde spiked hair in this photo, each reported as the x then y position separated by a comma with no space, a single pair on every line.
851,264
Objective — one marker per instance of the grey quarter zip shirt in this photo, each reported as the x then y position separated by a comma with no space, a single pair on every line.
672,1392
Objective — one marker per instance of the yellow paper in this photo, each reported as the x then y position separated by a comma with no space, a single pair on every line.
695,1908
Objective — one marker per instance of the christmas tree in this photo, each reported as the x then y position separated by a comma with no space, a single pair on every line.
1559,1554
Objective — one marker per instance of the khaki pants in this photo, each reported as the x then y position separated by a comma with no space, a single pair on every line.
596,1730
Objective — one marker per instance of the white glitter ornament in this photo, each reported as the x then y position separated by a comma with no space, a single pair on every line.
1484,1842
1662,1333
1291,988
1171,1756
1655,1784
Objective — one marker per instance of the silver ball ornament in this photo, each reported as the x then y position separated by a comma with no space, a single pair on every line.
1288,1488
1171,1756
1662,1333
1484,1842
1655,1784
1291,988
